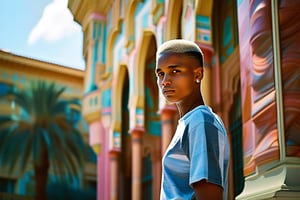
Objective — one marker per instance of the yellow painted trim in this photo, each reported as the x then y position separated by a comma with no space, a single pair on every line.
117,96
204,7
173,23
139,69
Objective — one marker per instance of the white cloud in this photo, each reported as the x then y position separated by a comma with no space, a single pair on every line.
55,24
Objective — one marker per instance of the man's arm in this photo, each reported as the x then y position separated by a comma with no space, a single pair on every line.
207,191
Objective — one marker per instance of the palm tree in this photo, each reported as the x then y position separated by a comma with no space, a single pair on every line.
43,131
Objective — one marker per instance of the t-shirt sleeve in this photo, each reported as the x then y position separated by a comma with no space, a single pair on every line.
202,148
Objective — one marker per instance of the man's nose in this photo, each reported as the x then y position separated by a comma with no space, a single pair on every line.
166,81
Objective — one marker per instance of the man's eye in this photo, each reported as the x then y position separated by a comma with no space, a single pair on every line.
175,71
160,74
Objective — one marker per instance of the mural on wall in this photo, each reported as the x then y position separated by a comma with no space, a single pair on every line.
289,13
260,131
260,134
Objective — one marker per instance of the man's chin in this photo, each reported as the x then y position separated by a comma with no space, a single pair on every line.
172,100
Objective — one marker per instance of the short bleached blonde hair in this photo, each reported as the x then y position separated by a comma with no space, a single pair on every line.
181,46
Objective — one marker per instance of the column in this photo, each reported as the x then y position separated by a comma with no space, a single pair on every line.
136,139
156,168
114,175
95,50
168,117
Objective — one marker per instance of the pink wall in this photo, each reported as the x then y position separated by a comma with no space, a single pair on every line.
99,135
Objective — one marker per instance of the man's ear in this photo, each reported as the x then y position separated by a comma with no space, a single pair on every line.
198,73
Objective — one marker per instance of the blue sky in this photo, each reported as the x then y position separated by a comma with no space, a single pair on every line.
43,30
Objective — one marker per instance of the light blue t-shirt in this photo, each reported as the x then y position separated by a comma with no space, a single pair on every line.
198,150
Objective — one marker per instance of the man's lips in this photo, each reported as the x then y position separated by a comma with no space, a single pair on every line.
168,91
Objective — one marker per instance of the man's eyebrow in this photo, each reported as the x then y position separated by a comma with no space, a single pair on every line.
172,66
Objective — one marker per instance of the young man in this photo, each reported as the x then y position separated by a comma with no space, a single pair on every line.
195,165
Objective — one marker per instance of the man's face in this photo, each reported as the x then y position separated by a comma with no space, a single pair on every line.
176,77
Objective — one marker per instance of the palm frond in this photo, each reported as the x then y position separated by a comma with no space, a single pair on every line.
44,125
14,148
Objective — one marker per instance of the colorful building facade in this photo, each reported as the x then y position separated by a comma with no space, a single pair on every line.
251,79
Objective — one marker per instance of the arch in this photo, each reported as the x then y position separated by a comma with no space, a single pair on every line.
109,49
173,23
139,76
119,137
117,94
146,113
152,119
129,22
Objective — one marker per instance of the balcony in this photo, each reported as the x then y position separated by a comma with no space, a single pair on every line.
91,106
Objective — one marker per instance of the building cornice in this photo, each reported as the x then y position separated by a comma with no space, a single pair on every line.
38,64
82,10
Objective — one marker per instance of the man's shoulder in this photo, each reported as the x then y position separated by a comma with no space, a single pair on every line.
204,115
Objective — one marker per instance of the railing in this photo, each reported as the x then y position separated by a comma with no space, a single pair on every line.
6,196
